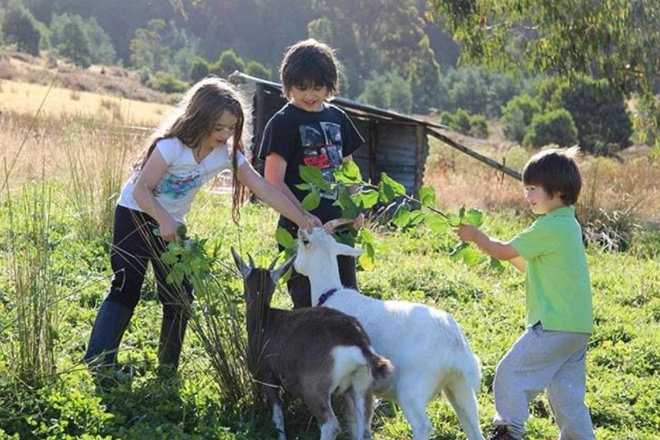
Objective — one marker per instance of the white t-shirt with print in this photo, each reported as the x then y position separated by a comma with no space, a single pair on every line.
184,176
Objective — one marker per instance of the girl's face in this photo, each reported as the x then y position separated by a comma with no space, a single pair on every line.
540,201
222,130
310,99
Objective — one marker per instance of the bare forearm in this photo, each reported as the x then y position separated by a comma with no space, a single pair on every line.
281,203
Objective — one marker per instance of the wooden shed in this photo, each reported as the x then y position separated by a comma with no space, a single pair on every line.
395,144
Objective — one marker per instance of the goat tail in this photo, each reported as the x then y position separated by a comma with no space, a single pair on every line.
381,367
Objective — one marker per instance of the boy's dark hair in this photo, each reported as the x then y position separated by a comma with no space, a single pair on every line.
309,63
555,171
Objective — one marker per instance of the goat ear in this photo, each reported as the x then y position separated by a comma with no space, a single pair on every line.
280,271
240,264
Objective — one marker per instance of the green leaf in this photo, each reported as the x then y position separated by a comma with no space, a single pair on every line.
368,198
401,217
396,187
311,201
474,217
436,223
312,175
416,217
366,261
348,173
348,206
427,196
469,255
284,238
170,257
385,192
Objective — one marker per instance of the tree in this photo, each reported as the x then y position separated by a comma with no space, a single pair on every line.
99,47
147,49
517,116
599,112
228,62
554,127
20,28
617,40
75,45
256,69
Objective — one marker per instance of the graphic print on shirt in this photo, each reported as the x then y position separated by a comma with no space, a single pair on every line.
322,149
177,187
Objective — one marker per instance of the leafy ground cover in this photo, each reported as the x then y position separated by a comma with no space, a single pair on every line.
624,358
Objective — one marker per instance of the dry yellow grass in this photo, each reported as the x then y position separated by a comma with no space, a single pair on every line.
630,182
57,102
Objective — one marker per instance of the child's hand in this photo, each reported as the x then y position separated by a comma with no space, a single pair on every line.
358,222
466,232
312,221
169,230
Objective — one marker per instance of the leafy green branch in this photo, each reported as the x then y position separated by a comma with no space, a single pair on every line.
404,211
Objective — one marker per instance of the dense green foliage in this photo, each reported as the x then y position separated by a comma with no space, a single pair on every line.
390,52
616,41
622,388
19,27
555,127
599,112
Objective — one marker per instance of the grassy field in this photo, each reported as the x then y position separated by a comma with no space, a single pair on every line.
60,178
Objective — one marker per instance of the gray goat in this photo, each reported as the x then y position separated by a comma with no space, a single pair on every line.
309,353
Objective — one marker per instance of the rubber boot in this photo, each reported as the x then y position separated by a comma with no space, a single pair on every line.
172,331
111,321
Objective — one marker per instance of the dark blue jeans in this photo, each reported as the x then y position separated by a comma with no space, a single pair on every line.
134,246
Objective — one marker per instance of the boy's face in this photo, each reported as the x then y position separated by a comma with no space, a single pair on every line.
310,98
540,201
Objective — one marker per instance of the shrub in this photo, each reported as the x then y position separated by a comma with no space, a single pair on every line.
461,121
517,116
258,70
479,126
389,91
167,83
599,113
227,63
554,127
198,69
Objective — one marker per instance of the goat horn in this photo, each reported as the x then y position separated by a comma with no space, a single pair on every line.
272,264
330,226
251,260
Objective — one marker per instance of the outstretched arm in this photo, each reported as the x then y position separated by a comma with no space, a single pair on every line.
275,197
491,246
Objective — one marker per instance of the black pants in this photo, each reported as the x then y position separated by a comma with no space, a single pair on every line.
134,246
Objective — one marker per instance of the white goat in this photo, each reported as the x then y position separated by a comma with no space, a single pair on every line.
429,352
310,353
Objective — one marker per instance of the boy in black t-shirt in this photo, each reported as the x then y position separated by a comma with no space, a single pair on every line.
309,131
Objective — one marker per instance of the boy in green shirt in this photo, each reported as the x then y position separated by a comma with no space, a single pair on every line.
551,353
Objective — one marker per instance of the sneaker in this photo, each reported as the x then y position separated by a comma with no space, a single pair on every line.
501,432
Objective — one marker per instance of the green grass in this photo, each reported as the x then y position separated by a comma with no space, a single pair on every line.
623,388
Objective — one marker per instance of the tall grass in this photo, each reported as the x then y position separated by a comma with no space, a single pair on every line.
35,291
96,163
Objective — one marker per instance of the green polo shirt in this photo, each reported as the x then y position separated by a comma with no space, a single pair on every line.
557,285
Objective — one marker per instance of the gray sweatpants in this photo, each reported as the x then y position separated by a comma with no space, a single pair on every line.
540,360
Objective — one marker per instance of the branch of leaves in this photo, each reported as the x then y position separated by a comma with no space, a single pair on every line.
404,211
189,257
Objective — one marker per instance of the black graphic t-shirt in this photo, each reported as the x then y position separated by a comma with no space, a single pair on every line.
320,139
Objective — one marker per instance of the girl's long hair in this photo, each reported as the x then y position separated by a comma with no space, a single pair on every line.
194,118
